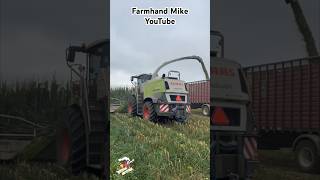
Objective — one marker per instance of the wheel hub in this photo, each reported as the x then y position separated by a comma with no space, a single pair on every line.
65,147
306,157
129,108
206,111
146,113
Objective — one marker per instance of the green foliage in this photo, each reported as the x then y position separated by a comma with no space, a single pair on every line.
33,149
161,151
280,164
40,102
123,108
38,171
121,93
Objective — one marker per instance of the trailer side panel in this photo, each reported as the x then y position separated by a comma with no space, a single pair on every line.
286,95
199,92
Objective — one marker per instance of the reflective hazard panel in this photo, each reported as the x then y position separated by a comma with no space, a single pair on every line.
250,148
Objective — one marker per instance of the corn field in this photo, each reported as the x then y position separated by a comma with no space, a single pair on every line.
121,93
42,102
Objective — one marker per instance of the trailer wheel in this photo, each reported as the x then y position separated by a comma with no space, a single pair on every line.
71,142
205,110
307,157
132,106
149,112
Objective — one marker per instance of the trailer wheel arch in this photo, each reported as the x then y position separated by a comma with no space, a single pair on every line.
315,139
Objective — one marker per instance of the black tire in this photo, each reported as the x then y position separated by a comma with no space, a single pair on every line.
307,157
71,142
205,110
132,106
149,112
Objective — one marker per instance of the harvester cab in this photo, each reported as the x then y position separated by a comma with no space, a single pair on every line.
217,44
81,136
156,97
232,125
172,75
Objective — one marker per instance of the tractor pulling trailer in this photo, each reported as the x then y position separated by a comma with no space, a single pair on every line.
81,137
286,106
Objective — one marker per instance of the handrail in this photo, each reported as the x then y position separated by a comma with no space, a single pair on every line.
283,62
220,35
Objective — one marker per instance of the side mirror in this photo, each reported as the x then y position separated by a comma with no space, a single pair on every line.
70,54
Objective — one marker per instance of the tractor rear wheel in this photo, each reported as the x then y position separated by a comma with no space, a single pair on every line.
132,106
149,112
71,142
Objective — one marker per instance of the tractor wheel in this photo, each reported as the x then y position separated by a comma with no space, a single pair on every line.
149,112
205,110
132,106
307,157
71,142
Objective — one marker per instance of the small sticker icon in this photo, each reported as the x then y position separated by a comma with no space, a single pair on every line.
125,165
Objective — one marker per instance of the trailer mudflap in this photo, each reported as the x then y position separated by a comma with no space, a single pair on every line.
228,165
251,165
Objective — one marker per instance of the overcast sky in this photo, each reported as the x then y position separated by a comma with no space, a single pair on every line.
263,31
137,48
35,33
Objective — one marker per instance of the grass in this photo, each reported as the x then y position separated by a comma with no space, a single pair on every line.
161,151
280,164
38,171
42,102
34,148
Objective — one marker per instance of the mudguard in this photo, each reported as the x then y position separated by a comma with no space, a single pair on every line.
312,137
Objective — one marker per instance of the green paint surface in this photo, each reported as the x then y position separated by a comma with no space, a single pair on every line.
152,87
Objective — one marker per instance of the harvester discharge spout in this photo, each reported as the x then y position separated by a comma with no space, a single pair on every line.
199,59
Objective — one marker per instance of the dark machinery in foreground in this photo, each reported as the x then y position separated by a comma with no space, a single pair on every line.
286,105
82,135
233,136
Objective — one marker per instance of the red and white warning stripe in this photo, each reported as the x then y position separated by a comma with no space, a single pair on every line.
188,108
164,108
250,148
